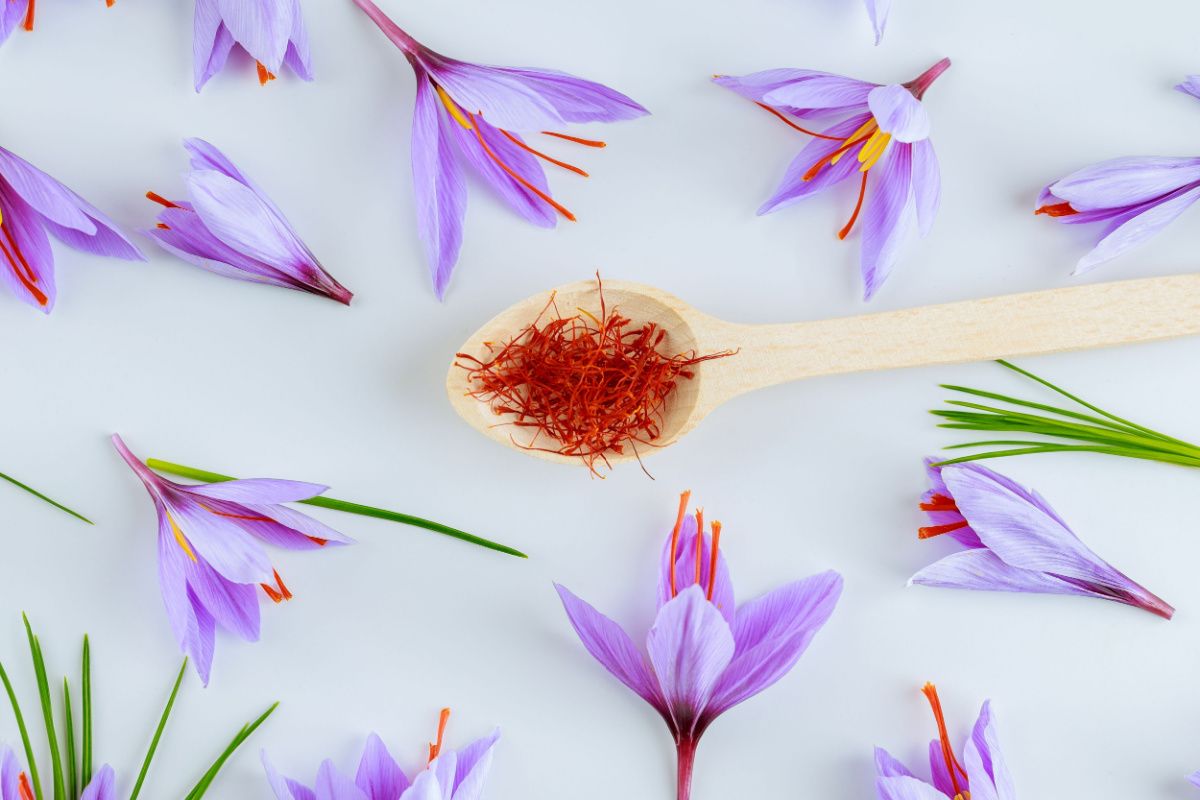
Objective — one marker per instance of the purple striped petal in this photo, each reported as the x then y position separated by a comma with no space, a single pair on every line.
906,788
887,766
1194,778
690,646
211,42
575,99
793,187
889,217
333,785
518,196
878,11
503,97
474,764
199,642
985,763
299,54
1125,181
379,776
899,113
220,542
261,27
285,788
937,769
927,184
808,89
26,260
43,193
685,570
1134,231
259,491
438,185
1190,85
102,786
233,606
12,14
10,775
425,787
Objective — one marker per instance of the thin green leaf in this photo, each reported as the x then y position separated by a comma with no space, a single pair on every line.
347,507
158,732
24,731
1057,448
43,684
1043,407
200,788
69,733
43,497
86,756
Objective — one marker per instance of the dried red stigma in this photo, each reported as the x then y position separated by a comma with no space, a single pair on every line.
279,592
264,74
162,201
435,748
952,765
1057,210
23,787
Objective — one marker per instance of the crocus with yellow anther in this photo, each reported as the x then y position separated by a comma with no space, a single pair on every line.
210,556
703,654
480,115
881,137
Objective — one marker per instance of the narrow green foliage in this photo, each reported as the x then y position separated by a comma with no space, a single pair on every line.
24,731
43,497
347,507
39,671
72,765
86,745
200,788
158,732
1057,430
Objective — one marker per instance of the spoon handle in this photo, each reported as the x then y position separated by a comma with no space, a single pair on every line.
1074,318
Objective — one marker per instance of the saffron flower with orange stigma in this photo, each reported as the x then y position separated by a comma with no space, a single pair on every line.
703,654
881,138
34,205
210,560
231,227
448,775
15,784
1015,542
271,32
982,773
480,115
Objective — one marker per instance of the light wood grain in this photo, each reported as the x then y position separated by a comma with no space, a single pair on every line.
1075,318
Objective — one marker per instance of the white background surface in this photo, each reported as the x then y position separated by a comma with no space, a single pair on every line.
1095,700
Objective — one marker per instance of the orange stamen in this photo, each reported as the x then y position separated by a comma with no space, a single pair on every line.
264,74
23,787
544,197
794,125
937,530
20,266
515,140
29,12
939,502
862,193
712,561
683,501
699,542
435,748
279,594
952,765
576,139
1057,210
162,201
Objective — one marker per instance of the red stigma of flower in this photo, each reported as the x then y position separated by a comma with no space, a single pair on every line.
699,542
162,201
1057,210
862,193
712,561
29,14
278,593
545,198
576,139
940,502
435,748
23,788
794,126
264,74
20,266
683,501
952,765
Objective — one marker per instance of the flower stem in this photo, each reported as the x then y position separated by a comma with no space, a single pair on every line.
399,37
686,750
922,82
343,505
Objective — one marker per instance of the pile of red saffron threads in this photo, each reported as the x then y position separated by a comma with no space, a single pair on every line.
587,385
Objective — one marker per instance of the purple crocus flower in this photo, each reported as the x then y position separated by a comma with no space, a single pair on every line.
477,115
982,774
705,655
1190,85
230,227
210,559
1015,542
881,135
272,32
878,10
33,205
449,775
102,787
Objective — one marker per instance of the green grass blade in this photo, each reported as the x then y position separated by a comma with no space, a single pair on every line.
1108,423
43,684
158,732
43,497
24,731
347,507
86,755
69,733
200,788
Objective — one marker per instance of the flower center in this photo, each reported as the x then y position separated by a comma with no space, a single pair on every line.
940,502
952,765
714,549
435,748
871,142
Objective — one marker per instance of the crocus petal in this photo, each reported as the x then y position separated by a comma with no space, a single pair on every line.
808,89
107,241
379,776
889,217
1126,181
939,774
887,766
471,770
690,646
200,641
444,768
685,570
424,787
982,569
927,184
10,775
794,187
238,216
47,196
26,260
232,553
501,96
906,788
522,163
1190,85
983,760
299,53
102,786
1141,227
612,647
771,633
333,785
1194,778
211,49
878,10
899,113
575,99
259,490
233,606
438,186
285,788
12,14
261,27
292,530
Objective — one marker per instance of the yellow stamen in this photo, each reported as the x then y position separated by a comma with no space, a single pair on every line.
453,108
868,127
872,151
179,537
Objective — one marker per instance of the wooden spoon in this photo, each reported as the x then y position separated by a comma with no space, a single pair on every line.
1074,318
